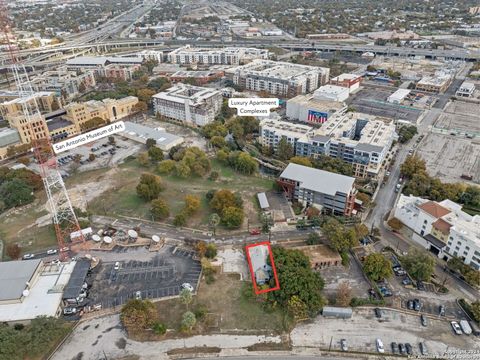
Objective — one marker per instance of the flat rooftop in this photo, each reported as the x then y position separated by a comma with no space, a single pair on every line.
44,297
13,277
8,136
316,104
277,69
141,133
180,93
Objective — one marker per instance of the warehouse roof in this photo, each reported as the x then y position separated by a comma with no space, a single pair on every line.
318,180
13,277
8,137
141,133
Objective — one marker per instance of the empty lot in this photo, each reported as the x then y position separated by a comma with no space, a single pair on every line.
448,157
363,329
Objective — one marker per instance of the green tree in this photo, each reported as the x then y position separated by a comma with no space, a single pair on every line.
300,160
150,142
211,251
192,204
182,170
413,165
475,308
284,149
15,192
188,321
218,142
232,217
155,154
142,159
149,186
297,308
213,222
222,156
341,239
377,266
186,297
313,239
159,209
92,124
419,264
166,167
159,328
222,199
180,220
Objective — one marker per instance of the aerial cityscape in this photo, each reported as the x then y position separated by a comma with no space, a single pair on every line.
243,180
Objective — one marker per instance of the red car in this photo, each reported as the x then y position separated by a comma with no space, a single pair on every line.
255,232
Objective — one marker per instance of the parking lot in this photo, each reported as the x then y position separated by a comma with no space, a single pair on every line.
155,276
373,100
448,156
364,328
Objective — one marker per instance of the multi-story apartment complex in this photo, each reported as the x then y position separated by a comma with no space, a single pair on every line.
121,68
359,139
278,78
206,56
329,192
189,104
11,103
64,82
442,228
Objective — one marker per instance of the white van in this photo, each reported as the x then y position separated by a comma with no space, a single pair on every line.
380,347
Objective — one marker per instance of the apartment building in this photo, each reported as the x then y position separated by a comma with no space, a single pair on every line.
467,89
193,105
273,130
63,82
278,78
121,68
207,56
329,192
359,139
12,103
198,77
442,228
437,83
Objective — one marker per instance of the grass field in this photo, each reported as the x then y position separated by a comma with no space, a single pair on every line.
122,198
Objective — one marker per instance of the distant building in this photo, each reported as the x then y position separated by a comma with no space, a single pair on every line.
314,108
332,93
8,137
12,103
350,81
272,131
329,192
278,78
192,105
141,133
442,228
437,83
398,96
120,68
391,35
466,89
208,56
199,77
339,36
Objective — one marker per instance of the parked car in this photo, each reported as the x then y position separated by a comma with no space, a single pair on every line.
138,295
28,256
408,349
401,348
417,304
343,344
423,320
441,310
406,281
65,248
421,286
380,347
378,313
410,305
423,348
51,251
187,286
456,328
394,347
465,327
116,266
255,232
69,311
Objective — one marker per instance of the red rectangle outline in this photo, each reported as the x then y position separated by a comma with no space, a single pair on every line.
275,276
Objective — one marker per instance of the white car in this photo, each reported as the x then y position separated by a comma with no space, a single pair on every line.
138,295
28,256
187,286
380,347
116,266
51,251
456,328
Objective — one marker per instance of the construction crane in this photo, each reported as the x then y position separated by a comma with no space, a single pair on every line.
67,228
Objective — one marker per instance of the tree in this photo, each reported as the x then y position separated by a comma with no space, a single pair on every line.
143,159
111,140
138,315
341,238
149,186
475,308
141,107
159,209
300,160
377,266
344,294
180,220
166,166
213,222
192,204
221,200
15,193
297,308
182,170
201,248
296,278
412,165
13,251
159,328
232,217
218,142
419,264
361,230
150,143
145,94
284,149
313,239
92,123
395,224
188,321
211,251
222,156
186,297
155,154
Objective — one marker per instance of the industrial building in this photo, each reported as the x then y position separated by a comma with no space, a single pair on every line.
437,83
278,78
398,96
312,108
193,105
442,228
32,288
8,137
467,89
329,192
350,81
207,56
141,133
332,93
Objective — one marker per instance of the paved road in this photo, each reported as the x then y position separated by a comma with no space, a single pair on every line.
287,357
